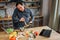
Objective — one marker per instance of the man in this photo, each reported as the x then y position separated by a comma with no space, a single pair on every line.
21,16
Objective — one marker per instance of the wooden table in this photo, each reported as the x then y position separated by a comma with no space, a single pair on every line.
54,35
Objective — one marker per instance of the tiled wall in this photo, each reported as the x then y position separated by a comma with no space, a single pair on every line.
10,8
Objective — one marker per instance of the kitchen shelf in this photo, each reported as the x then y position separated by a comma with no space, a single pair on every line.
23,1
2,8
30,1
33,7
38,16
2,1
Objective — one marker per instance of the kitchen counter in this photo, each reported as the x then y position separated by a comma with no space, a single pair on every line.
54,35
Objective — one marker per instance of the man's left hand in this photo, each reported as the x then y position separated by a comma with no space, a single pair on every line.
30,22
22,19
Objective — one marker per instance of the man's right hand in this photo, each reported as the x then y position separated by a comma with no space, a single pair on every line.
22,19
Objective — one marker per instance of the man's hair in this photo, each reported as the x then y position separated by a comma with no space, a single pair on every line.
19,3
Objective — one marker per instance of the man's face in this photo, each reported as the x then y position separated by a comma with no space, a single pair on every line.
20,7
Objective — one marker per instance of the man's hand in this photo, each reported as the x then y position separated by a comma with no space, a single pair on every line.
22,19
30,22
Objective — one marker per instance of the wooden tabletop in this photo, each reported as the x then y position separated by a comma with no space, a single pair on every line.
54,34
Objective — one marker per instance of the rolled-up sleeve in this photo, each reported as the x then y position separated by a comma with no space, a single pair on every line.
14,16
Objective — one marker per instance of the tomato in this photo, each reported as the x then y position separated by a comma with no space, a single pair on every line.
36,33
13,38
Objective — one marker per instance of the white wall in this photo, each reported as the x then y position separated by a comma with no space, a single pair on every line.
59,8
45,11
